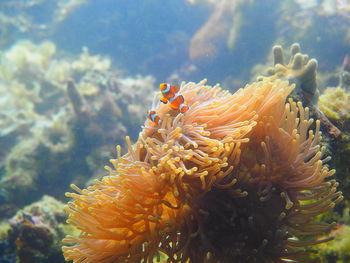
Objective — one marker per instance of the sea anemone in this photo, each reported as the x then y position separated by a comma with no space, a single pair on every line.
237,177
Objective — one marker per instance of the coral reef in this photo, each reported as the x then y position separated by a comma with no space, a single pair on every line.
33,235
239,176
300,70
48,125
335,103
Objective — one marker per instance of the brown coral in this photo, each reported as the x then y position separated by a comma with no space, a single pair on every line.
238,176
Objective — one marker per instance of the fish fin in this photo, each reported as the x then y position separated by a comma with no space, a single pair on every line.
164,100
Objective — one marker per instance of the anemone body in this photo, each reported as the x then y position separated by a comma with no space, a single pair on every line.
239,177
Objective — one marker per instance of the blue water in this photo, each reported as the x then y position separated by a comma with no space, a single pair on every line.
142,38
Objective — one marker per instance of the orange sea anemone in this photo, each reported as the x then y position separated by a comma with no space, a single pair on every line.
237,177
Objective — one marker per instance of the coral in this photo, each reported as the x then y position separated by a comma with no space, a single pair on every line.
27,59
33,235
301,71
25,163
55,113
17,107
88,62
18,174
335,103
239,176
129,91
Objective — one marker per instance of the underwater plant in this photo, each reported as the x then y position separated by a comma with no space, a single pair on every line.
239,176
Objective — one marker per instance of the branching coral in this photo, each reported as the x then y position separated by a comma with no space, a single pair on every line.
301,71
239,176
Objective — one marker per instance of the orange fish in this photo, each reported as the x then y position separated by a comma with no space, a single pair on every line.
177,103
152,115
168,92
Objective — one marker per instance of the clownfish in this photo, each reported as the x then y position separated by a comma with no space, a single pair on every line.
178,104
170,94
152,115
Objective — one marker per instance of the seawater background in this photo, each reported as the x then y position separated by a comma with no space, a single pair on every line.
153,37
140,38
144,37
149,37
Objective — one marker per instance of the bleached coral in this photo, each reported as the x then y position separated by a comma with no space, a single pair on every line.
26,58
31,63
88,62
